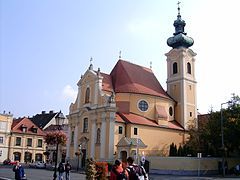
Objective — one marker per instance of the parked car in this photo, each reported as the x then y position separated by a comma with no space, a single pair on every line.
9,162
38,164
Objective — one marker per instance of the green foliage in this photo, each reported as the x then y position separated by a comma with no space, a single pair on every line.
207,138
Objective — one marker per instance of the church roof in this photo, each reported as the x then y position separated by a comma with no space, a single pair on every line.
137,119
131,78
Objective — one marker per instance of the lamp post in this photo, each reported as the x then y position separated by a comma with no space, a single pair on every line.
59,122
78,154
222,136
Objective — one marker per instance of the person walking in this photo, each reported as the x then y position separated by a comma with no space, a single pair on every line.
19,171
68,168
135,171
117,172
60,171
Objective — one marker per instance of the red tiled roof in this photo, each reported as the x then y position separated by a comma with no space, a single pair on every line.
25,122
107,82
132,78
119,119
136,119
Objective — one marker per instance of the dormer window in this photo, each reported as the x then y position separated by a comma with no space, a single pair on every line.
87,95
24,128
34,129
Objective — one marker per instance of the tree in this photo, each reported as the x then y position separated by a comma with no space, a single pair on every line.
207,137
56,137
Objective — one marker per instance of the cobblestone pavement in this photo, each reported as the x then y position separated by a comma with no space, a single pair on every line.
6,173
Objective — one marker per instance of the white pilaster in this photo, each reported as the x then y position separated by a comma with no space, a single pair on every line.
93,139
76,138
68,142
103,136
111,136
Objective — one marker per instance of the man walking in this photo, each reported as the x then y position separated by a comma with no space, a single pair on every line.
68,168
135,171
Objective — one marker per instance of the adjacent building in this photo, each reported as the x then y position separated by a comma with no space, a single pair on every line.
5,133
26,141
128,113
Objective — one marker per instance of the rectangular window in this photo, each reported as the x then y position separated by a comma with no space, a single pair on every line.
135,131
18,141
72,137
3,125
29,141
39,143
1,140
1,152
120,130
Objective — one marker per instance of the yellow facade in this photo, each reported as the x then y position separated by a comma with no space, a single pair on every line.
25,152
5,129
99,131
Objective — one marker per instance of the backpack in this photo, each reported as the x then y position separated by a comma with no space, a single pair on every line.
121,175
61,168
68,167
136,172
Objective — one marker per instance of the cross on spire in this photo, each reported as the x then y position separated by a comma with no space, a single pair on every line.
120,54
91,59
178,3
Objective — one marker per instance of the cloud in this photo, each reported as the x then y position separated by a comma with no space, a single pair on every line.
69,93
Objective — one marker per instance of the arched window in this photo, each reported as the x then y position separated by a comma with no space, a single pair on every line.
87,95
98,136
85,125
189,68
175,68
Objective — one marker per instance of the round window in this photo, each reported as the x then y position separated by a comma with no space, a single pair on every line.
143,105
171,111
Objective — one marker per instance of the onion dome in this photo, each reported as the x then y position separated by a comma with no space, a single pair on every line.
180,38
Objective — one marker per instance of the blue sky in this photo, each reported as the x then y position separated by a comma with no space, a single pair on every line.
45,46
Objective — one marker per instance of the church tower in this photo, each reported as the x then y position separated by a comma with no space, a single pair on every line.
181,83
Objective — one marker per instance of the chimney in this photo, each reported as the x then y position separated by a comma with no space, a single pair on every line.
43,112
51,112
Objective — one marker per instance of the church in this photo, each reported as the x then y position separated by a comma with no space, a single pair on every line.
127,112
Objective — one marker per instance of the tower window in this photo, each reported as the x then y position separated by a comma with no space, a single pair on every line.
189,68
175,68
190,114
87,95
98,140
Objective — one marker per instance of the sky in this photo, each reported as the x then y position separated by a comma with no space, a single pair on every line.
45,47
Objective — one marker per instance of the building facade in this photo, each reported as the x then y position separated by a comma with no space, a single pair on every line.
26,141
128,113
5,133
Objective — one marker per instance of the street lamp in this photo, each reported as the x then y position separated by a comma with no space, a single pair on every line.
222,135
59,122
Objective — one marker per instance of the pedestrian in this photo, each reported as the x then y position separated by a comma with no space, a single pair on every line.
19,171
60,171
68,168
135,172
117,172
